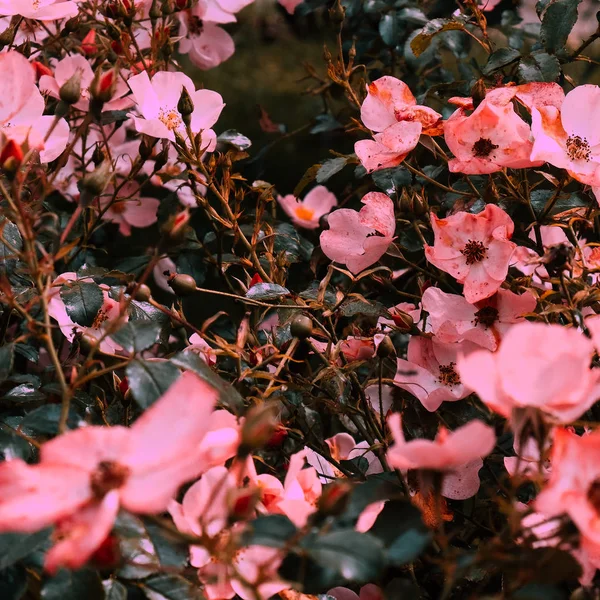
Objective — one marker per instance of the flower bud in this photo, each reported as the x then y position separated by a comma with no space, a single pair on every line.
185,106
88,44
259,425
182,284
146,146
337,13
242,504
162,159
478,92
143,293
403,321
301,327
11,157
155,12
70,92
175,228
334,497
167,7
95,183
385,347
103,85
7,37
97,155
41,69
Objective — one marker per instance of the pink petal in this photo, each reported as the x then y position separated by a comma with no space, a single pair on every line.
384,95
579,104
17,84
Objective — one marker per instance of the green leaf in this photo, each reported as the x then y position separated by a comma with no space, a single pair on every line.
329,168
499,59
136,336
407,547
388,28
172,552
7,354
267,291
288,240
540,198
45,419
10,243
558,19
391,180
421,41
308,176
13,583
228,395
539,66
149,380
171,587
355,306
236,139
114,590
357,557
74,585
114,116
396,518
271,530
82,301
16,546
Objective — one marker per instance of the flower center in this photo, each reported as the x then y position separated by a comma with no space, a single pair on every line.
474,251
448,375
118,207
486,316
170,117
109,475
483,147
593,495
304,213
100,318
194,24
578,148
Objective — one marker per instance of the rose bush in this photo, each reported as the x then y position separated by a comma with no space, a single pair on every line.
380,384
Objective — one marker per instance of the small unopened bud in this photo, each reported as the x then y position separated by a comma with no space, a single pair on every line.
70,91
301,327
7,37
69,27
103,85
143,293
155,12
182,284
385,347
162,158
337,13
334,498
95,182
242,503
40,69
182,4
146,146
11,157
167,7
279,436
259,425
97,155
478,92
88,44
175,228
185,106
403,321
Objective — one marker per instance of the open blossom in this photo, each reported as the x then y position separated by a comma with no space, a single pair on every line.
85,475
219,11
109,315
430,374
449,450
453,319
206,44
360,239
474,249
391,110
569,137
539,366
205,511
308,212
157,101
22,106
574,484
78,65
40,10
489,139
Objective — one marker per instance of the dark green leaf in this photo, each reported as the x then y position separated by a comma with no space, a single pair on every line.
74,585
267,291
82,301
26,392
13,583
171,587
271,530
45,419
172,552
329,168
541,198
388,28
396,518
539,66
236,139
558,18
7,354
136,336
391,180
421,41
149,380
114,590
16,546
357,557
325,123
308,176
408,546
355,306
228,395
288,240
114,116
499,59
10,243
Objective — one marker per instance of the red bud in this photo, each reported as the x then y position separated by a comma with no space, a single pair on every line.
41,69
88,45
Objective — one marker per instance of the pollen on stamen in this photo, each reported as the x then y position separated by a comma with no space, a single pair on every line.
304,213
448,375
474,251
578,148
483,147
486,316
171,118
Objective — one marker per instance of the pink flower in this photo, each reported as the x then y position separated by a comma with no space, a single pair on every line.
290,5
391,110
574,482
367,592
157,103
360,239
109,315
207,44
449,450
453,319
85,475
205,512
538,365
220,11
462,482
201,347
429,373
491,138
527,461
129,209
40,10
569,137
474,249
487,5
76,64
307,213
